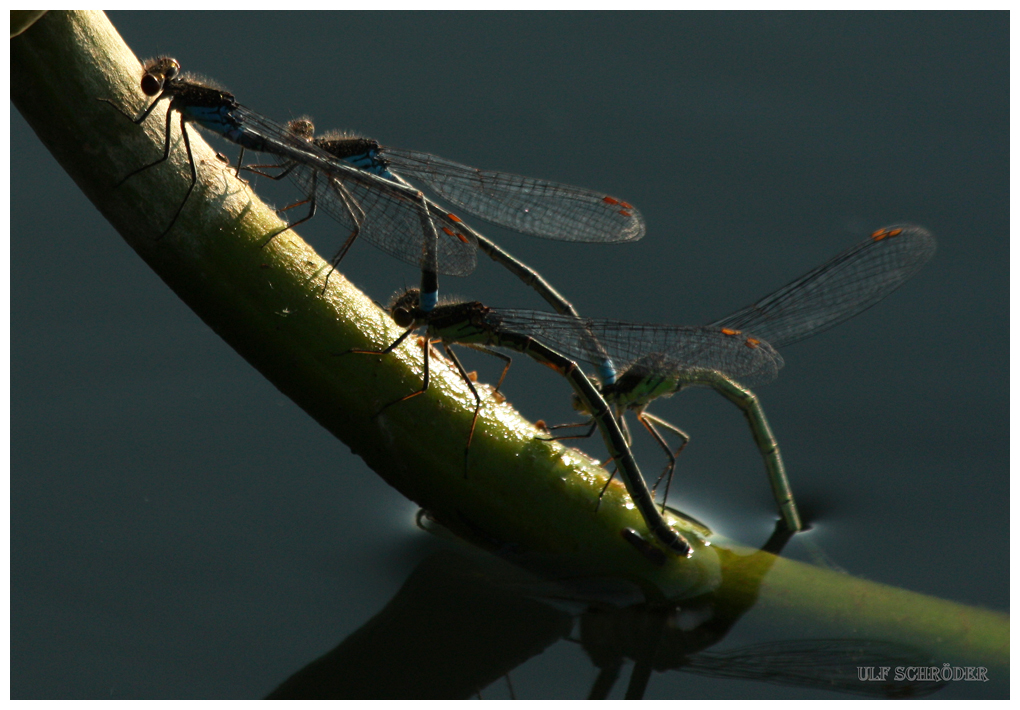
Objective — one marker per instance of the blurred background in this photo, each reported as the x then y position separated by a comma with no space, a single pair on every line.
180,529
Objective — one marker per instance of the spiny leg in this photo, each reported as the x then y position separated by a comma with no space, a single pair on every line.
591,424
310,201
622,421
478,400
649,421
506,368
424,381
390,348
142,115
357,215
285,171
167,140
354,211
191,164
168,137
499,384
591,397
386,351
609,480
261,168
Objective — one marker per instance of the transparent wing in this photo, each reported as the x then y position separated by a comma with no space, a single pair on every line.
389,215
839,289
527,205
391,219
278,140
651,348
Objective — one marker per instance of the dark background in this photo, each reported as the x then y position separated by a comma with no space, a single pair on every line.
180,529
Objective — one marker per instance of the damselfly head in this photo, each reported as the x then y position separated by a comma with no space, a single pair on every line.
157,72
402,317
302,127
404,306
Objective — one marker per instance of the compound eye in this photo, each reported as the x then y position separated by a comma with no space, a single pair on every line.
302,127
403,317
159,72
151,84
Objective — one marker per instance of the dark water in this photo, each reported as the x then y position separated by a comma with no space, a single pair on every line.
180,529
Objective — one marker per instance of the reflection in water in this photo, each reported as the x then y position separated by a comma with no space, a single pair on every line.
464,621
655,641
450,631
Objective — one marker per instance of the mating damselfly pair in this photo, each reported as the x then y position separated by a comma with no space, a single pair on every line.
370,190
361,185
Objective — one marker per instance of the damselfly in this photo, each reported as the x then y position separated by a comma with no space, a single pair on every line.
479,327
660,360
400,208
655,366
527,205
705,352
